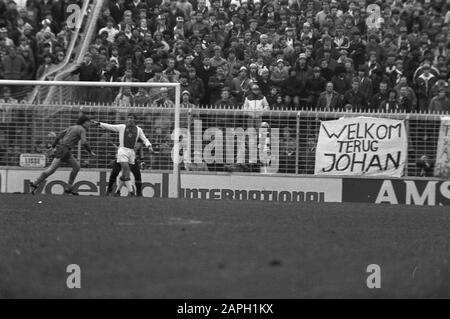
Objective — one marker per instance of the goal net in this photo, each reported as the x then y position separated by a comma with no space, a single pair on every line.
29,127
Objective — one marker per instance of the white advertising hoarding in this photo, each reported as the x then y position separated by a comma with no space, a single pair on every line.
197,186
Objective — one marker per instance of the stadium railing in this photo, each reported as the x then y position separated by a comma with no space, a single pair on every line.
30,128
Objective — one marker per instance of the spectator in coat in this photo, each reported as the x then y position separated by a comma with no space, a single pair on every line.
254,105
204,72
13,66
381,96
391,103
87,71
195,86
365,83
226,99
329,99
315,86
354,98
280,73
425,82
216,83
440,103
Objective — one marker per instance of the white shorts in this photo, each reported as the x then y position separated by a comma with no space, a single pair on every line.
126,155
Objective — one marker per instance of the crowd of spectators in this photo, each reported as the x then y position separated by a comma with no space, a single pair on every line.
390,55
34,37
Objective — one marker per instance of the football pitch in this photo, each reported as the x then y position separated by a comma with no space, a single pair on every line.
167,248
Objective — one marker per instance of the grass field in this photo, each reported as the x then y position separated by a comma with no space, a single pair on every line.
160,248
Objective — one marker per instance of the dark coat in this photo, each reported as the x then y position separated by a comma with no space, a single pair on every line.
87,72
335,101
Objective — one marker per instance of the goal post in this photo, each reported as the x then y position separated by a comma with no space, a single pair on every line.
64,105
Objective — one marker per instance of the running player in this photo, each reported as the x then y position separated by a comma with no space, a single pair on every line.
129,134
63,145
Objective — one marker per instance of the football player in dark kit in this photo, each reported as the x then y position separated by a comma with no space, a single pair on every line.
63,145
135,170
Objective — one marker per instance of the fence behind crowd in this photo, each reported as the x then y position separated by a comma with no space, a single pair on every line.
204,138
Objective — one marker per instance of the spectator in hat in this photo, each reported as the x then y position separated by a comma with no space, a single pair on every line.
186,100
179,29
280,72
302,69
253,73
240,84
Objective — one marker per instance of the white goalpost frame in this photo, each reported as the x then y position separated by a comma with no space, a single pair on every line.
176,142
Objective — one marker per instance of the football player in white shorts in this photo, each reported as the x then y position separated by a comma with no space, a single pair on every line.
129,134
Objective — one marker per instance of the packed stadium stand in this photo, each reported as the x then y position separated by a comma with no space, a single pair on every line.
384,56
380,55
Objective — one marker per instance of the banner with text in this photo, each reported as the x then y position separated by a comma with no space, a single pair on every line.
361,146
442,167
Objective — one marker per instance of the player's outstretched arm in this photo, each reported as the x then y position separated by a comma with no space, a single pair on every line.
111,127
